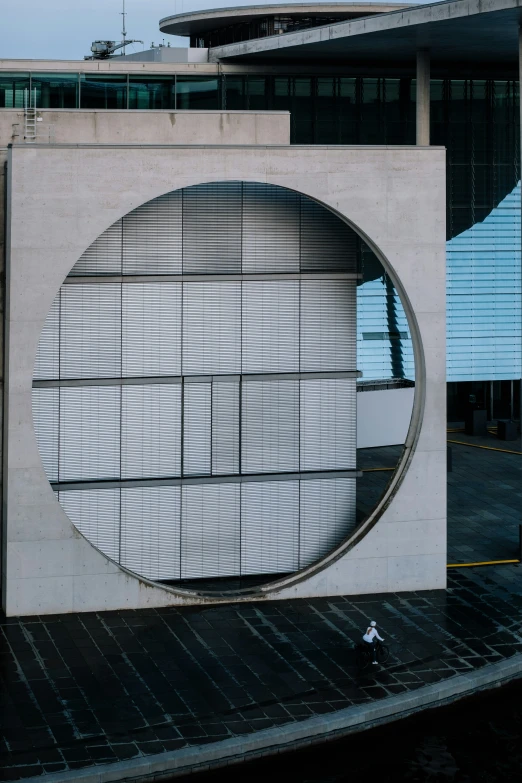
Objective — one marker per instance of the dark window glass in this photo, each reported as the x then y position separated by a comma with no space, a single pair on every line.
103,92
197,92
151,92
12,90
55,91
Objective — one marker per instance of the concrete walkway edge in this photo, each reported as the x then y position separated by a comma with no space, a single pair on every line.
294,735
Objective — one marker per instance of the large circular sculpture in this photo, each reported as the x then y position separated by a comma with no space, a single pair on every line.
195,385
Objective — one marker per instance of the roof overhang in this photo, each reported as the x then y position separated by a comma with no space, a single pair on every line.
456,31
198,22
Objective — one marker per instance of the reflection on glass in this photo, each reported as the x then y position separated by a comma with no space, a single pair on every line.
197,92
12,90
151,92
103,92
55,91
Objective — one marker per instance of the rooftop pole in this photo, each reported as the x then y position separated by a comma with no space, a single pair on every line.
423,97
124,31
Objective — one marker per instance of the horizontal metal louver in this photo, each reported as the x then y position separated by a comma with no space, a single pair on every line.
46,408
327,244
328,325
197,411
270,333
151,431
152,237
270,426
225,428
212,228
328,428
90,331
210,530
211,328
47,364
151,324
96,514
270,229
150,531
327,516
269,527
103,257
89,433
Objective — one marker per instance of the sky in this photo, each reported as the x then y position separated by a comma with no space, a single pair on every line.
64,29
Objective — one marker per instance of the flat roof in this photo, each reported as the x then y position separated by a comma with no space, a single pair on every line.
201,21
467,31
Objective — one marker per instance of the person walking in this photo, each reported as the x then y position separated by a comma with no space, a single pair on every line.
371,637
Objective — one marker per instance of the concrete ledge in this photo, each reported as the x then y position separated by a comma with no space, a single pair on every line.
294,735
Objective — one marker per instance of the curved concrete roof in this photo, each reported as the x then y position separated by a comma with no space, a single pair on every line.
201,21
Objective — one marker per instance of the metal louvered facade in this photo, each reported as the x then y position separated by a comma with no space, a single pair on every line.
195,385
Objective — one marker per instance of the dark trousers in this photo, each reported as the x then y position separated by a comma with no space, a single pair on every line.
373,645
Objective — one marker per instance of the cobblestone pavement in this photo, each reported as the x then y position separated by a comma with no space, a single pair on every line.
85,689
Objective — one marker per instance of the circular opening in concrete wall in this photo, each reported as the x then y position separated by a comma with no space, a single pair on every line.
212,374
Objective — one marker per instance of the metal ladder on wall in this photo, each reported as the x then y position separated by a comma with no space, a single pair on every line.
29,117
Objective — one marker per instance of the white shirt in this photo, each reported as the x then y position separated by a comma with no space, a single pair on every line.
370,633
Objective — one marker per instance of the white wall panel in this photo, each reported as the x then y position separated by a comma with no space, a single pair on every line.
47,363
270,335
46,408
269,527
211,328
327,516
150,529
328,424
103,257
90,331
151,431
197,411
270,426
212,228
151,321
225,427
89,433
270,229
210,530
328,325
152,237
96,514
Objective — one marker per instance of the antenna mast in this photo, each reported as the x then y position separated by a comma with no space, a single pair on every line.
124,31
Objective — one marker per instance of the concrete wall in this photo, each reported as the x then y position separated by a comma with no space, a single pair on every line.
108,126
62,198
383,417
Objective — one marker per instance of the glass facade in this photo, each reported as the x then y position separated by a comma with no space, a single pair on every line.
477,120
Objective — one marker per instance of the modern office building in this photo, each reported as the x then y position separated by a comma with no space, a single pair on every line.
225,278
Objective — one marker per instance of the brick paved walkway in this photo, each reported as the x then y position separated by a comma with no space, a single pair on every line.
86,689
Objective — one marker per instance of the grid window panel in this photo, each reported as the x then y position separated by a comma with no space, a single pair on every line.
270,333
328,516
210,531
151,322
328,325
151,431
47,363
90,331
225,427
328,422
96,514
150,531
211,328
46,410
89,433
152,237
212,228
327,243
197,413
103,257
269,527
270,426
270,229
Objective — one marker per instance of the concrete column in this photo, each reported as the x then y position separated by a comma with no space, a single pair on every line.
423,97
